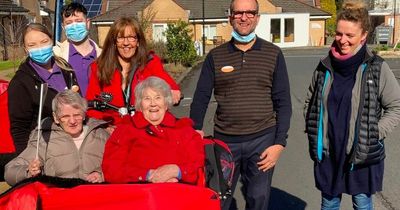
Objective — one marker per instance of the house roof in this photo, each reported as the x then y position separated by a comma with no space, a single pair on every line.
112,4
7,6
299,7
214,9
129,9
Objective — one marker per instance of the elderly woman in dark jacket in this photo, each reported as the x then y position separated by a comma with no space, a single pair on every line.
70,145
155,147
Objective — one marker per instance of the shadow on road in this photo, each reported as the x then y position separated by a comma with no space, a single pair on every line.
280,200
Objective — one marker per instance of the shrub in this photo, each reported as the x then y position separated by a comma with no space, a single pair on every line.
180,47
159,48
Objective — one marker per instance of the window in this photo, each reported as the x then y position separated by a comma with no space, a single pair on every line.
158,32
276,30
289,30
210,31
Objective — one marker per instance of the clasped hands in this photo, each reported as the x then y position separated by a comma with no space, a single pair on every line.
164,173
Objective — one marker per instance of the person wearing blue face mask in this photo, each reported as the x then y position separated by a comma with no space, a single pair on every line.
78,49
250,82
41,66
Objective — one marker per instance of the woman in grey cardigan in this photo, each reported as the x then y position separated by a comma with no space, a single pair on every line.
70,145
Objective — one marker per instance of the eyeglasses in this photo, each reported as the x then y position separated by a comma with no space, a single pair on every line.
66,118
129,38
249,14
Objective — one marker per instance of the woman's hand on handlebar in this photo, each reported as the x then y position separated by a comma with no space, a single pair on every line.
176,96
110,129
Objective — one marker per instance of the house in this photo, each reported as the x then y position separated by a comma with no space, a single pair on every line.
12,17
385,13
212,18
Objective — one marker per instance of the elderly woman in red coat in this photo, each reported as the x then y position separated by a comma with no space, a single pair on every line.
155,147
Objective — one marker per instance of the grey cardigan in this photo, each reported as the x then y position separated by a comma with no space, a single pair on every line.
58,153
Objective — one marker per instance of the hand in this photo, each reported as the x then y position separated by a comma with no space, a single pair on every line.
269,157
34,168
94,177
172,180
165,173
176,96
201,132
110,129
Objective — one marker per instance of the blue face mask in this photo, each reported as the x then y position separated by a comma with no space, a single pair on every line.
41,55
243,39
76,32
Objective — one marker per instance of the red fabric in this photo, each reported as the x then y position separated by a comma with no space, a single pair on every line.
6,142
132,151
24,198
164,196
153,68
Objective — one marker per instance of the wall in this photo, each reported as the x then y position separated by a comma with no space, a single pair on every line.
33,7
301,25
317,32
389,20
167,10
102,33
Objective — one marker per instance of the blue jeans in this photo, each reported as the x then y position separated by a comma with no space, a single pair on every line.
361,201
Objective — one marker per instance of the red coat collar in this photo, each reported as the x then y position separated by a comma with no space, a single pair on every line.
140,122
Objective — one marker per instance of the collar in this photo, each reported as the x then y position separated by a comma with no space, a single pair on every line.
140,122
73,51
256,46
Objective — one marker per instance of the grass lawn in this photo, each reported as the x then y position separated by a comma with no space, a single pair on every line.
9,64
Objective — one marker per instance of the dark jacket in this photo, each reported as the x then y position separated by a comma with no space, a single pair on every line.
375,89
23,102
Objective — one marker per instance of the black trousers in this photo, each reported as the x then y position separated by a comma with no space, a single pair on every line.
256,184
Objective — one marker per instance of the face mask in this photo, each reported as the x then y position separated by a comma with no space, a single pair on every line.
76,32
41,55
243,39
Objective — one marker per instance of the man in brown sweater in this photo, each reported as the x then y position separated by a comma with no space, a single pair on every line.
249,78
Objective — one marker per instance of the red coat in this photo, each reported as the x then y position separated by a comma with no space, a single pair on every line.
154,67
134,149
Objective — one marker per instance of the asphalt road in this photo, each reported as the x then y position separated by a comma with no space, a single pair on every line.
293,182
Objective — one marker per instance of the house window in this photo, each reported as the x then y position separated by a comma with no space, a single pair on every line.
158,32
289,30
210,31
276,30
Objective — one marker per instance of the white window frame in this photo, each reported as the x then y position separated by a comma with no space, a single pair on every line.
162,37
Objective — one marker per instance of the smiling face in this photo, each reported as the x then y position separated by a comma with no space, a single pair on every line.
36,39
243,19
153,106
349,35
70,119
127,43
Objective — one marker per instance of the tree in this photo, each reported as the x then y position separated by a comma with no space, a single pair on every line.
180,47
10,32
330,6
146,17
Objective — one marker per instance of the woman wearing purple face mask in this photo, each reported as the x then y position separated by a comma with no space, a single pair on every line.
41,66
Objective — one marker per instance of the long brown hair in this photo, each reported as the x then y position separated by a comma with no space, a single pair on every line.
108,60
62,63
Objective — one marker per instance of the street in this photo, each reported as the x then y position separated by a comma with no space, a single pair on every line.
293,181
